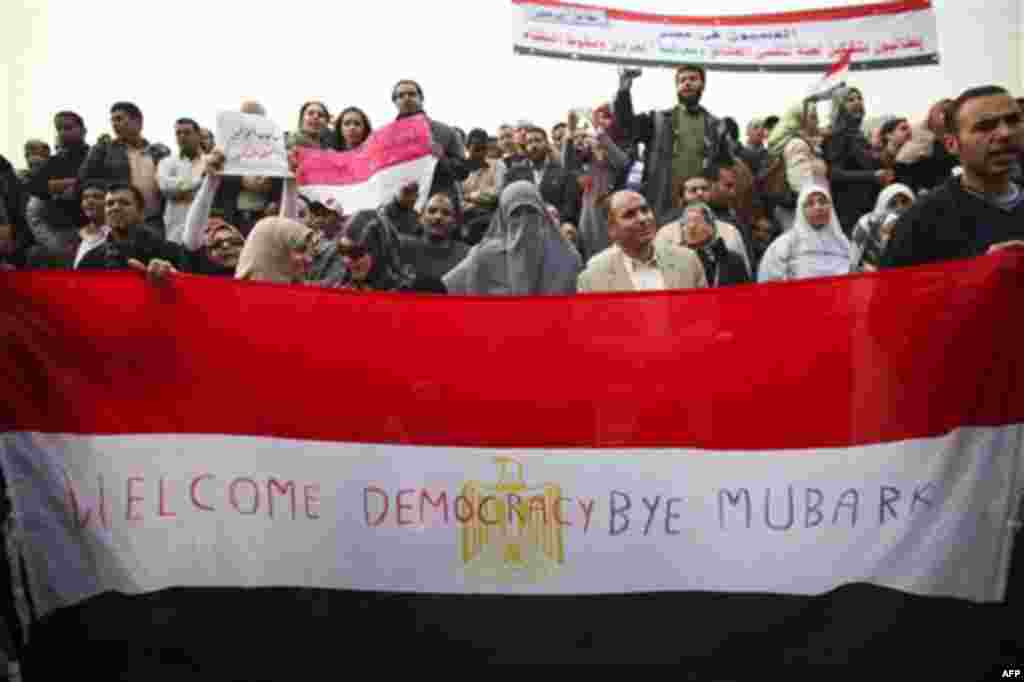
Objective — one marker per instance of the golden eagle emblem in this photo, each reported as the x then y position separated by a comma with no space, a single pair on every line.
518,536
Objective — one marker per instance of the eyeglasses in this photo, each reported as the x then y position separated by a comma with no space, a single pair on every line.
354,252
226,244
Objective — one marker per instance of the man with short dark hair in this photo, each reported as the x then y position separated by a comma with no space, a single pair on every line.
179,176
981,210
436,251
128,158
451,154
680,143
129,244
56,183
632,263
557,186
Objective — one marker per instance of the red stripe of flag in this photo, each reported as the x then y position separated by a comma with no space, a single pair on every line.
837,362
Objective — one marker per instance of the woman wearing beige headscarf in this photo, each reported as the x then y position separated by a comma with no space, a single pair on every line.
277,250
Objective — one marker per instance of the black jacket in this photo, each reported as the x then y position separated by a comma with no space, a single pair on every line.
108,163
558,186
852,169
143,246
64,213
951,223
930,172
725,268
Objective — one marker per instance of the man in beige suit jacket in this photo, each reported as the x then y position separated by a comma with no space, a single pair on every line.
631,263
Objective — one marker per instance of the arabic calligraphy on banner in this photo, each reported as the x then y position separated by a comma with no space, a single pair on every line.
885,35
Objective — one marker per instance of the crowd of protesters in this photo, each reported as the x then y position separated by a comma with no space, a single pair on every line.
615,199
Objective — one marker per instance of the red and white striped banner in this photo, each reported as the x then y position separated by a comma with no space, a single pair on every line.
877,35
784,438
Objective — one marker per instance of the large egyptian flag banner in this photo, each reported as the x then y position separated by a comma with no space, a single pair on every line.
516,466
372,174
878,35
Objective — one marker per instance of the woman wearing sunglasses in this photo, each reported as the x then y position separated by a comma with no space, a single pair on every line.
370,252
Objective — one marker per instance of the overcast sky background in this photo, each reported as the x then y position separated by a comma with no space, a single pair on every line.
196,57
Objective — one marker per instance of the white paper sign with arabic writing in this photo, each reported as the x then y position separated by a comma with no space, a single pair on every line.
253,145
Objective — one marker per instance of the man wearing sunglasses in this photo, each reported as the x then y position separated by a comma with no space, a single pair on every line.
981,210
435,251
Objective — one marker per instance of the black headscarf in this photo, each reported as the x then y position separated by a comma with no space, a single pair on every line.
367,229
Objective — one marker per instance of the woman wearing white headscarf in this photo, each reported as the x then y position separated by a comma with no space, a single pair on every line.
872,232
815,247
522,253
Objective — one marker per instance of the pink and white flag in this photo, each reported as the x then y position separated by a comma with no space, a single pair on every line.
371,175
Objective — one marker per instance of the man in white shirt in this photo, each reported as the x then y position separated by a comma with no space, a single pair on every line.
631,263
179,176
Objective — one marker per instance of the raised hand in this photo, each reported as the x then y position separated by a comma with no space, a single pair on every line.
628,74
